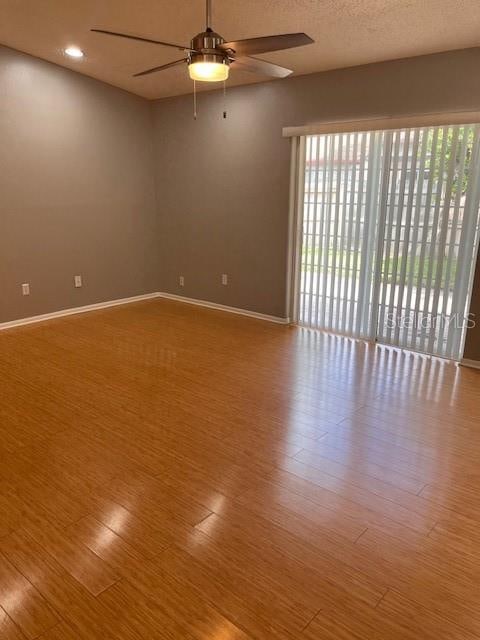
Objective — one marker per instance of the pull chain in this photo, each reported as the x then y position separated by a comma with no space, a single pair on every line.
224,100
194,100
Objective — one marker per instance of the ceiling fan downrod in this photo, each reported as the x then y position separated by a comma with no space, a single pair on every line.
208,20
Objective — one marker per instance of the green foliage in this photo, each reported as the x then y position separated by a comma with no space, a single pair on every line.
416,270
452,145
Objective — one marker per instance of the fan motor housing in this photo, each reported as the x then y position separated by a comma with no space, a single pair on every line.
206,40
205,43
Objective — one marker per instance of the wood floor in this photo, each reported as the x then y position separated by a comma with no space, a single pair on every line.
173,472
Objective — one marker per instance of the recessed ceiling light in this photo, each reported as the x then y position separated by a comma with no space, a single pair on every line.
74,52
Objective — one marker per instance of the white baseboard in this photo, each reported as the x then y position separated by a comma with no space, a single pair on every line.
147,296
474,364
74,310
223,307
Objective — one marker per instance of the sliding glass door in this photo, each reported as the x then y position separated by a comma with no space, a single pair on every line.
389,236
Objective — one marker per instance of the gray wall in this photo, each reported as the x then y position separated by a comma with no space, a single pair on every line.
76,189
472,344
77,179
223,184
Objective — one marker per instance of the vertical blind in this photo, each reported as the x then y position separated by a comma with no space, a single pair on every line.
389,236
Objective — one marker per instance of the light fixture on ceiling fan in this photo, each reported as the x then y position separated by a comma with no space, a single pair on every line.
209,57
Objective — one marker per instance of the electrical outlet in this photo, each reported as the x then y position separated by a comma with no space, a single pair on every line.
25,289
181,281
224,279
77,280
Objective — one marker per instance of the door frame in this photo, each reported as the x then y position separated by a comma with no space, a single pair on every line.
295,222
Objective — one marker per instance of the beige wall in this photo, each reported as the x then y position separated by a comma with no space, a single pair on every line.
76,189
223,184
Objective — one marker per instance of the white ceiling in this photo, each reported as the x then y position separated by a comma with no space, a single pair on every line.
346,33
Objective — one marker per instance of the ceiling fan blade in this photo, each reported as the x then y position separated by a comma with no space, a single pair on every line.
253,46
260,66
160,68
130,37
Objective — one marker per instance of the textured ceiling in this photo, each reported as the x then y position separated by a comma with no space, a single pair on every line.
346,33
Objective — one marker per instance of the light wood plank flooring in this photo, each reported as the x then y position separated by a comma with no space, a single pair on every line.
173,472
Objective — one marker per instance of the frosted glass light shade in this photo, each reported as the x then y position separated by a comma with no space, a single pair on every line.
208,71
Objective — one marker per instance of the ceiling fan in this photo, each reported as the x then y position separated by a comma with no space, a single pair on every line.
209,57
